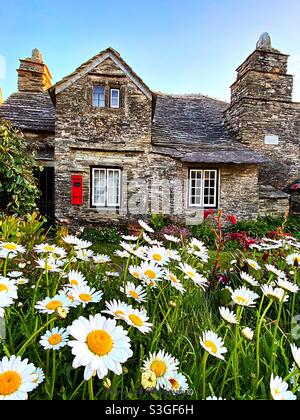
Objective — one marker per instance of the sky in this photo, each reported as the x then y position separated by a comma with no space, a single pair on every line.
176,46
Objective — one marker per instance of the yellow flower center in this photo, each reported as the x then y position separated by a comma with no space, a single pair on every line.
211,346
157,257
241,300
159,368
173,278
136,320
3,288
53,305
49,248
191,274
48,267
119,313
136,275
74,282
151,274
55,339
9,382
85,297
99,342
134,294
71,298
10,247
174,383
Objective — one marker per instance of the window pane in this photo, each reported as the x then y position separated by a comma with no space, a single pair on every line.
195,188
99,96
99,187
115,98
210,192
113,187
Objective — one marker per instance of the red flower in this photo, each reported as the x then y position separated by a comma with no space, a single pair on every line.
295,187
207,213
232,219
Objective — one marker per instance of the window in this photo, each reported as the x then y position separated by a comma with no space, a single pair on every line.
106,187
115,98
203,188
99,96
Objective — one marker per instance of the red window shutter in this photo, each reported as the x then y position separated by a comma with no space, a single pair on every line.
77,190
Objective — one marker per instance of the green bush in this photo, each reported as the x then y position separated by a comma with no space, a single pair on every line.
158,221
203,233
106,234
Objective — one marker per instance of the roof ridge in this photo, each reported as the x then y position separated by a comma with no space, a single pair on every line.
189,95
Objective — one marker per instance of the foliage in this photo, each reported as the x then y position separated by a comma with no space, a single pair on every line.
180,232
29,229
103,234
158,221
18,189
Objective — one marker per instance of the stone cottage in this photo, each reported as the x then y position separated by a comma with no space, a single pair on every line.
114,150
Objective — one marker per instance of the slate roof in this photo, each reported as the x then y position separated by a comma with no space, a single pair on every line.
191,128
33,111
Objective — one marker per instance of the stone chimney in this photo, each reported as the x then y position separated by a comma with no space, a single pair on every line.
33,74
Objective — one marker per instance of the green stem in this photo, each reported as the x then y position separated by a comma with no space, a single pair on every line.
53,374
30,339
204,361
275,333
5,266
91,389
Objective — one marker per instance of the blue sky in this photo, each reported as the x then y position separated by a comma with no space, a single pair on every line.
177,46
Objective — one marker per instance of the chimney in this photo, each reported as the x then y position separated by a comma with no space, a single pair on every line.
1,97
33,74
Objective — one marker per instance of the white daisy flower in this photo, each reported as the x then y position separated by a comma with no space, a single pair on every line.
172,238
76,278
146,227
158,255
296,354
38,376
293,259
68,291
253,264
151,273
192,274
84,254
5,302
163,365
48,264
136,272
213,344
11,248
215,399
249,279
175,282
228,315
138,319
15,274
198,249
276,294
8,287
100,345
81,244
50,249
130,238
135,292
70,240
51,305
177,384
101,259
287,286
150,241
173,255
85,295
122,254
248,333
275,271
279,389
16,378
113,274
116,309
55,339
21,281
244,297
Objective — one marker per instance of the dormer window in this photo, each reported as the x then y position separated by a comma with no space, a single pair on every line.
115,98
99,96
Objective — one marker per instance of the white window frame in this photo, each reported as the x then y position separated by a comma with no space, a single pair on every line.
111,102
104,102
106,203
216,188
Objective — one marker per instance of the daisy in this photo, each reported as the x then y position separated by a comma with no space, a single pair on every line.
11,248
253,264
163,365
150,241
16,378
55,339
175,282
228,315
68,291
135,292
70,240
76,278
149,380
84,254
198,249
293,259
127,247
21,281
151,273
85,295
215,399
138,319
45,249
146,227
213,344
48,264
100,345
158,255
249,279
122,254
5,302
101,259
114,274
173,255
287,286
191,273
279,389
276,294
8,287
244,297
50,305
172,238
248,333
275,271
38,376
130,238
117,309
15,274
177,383
81,244
296,354
136,272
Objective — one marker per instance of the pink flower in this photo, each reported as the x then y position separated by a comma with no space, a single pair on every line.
232,219
295,187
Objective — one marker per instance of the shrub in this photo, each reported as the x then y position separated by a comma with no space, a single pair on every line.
158,221
108,234
174,230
